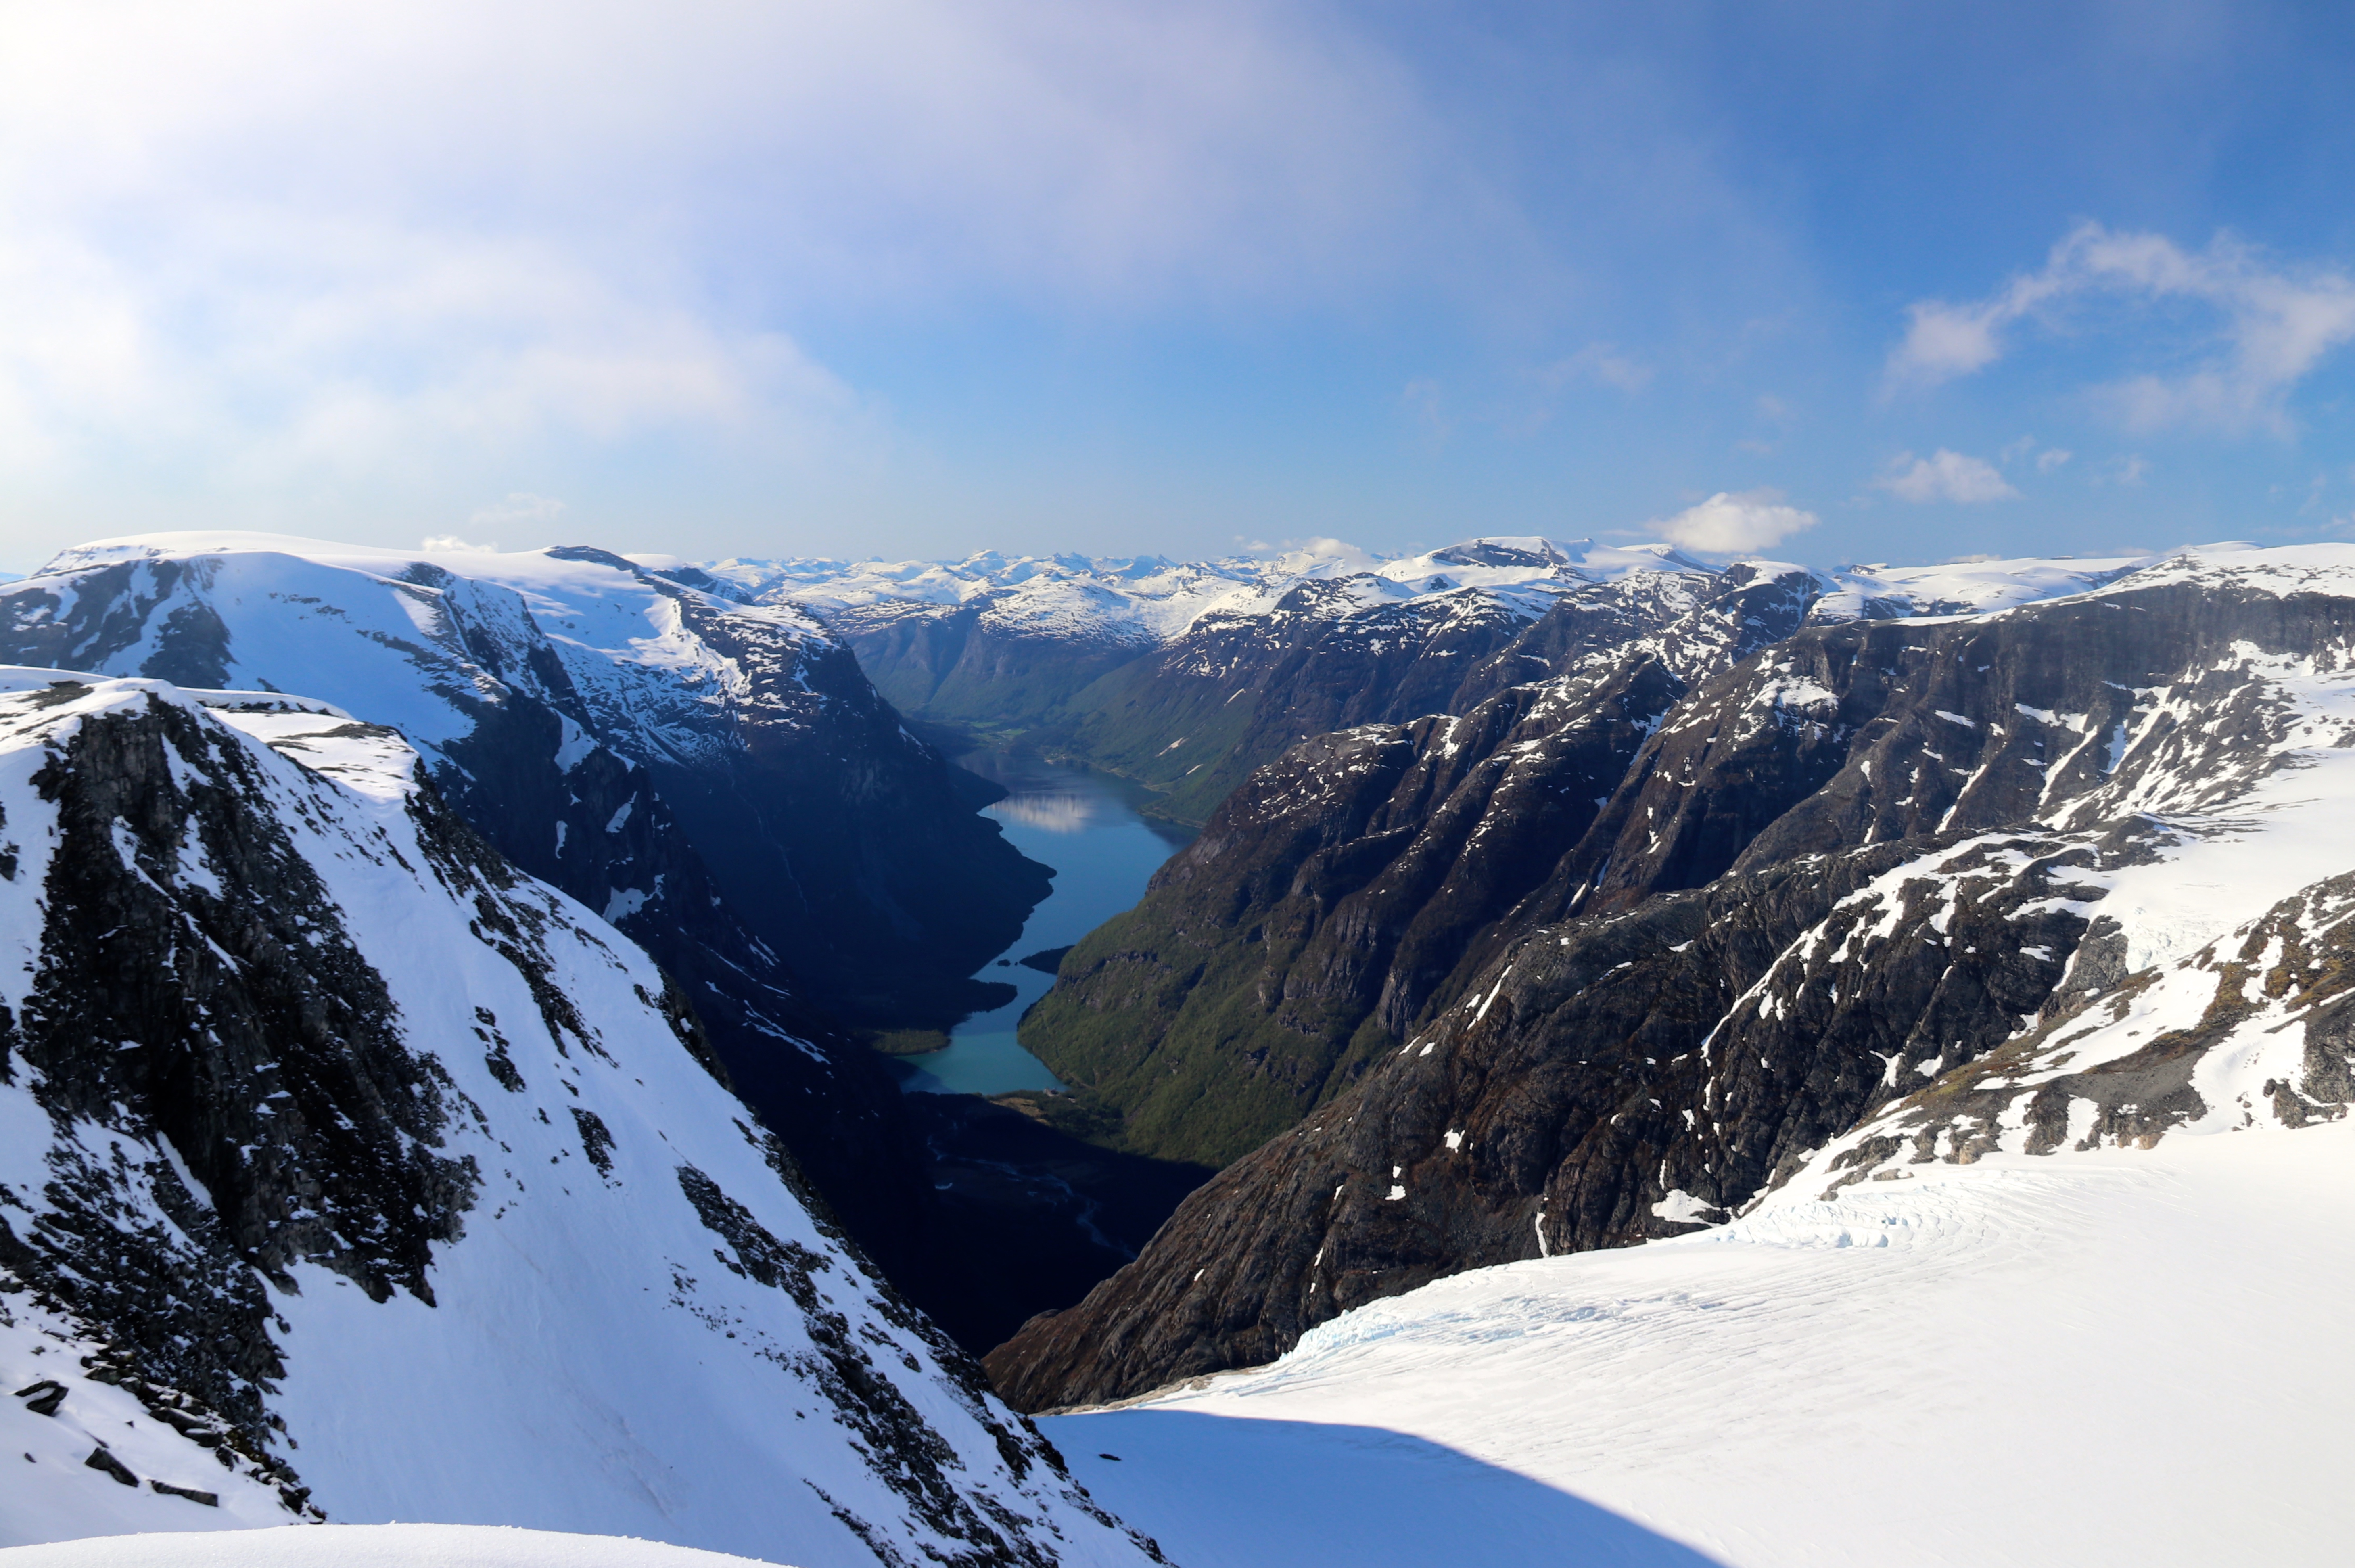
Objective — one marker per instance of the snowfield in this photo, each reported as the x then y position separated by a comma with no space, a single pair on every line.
2122,1357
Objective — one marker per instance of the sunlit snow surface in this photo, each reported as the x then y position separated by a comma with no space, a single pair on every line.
369,1546
2129,1357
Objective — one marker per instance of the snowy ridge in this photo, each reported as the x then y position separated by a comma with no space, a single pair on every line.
483,1240
1971,587
472,620
1146,601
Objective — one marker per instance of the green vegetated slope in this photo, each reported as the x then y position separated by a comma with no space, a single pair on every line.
1325,909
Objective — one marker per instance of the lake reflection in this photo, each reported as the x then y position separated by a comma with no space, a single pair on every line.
1085,826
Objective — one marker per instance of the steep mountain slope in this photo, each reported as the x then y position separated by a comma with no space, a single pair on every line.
718,781
1331,899
353,1173
1870,855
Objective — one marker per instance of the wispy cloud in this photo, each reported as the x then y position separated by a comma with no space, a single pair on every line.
1735,523
2131,472
1945,475
520,506
1604,363
2276,323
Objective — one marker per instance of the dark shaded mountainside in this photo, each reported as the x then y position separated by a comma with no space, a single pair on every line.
1600,960
739,800
352,1173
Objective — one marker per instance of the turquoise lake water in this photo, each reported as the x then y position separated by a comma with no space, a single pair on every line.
1085,826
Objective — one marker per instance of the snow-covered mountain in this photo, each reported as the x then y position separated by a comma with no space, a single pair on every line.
1186,676
718,781
1142,600
345,1170
1882,882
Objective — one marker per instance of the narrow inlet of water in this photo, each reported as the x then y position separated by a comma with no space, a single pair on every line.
1085,826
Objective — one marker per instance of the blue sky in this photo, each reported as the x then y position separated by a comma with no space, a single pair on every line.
913,277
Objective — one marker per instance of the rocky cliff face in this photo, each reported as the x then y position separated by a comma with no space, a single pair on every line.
1870,893
348,1171
1348,889
718,781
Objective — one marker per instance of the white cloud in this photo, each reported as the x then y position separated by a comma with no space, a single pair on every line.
1735,523
450,544
1943,477
2052,457
283,349
1325,557
2277,324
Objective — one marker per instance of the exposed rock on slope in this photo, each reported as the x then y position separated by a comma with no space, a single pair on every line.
1874,855
382,1181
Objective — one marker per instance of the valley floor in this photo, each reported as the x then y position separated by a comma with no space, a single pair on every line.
2109,1358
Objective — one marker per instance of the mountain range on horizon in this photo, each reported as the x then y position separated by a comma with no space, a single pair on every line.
1551,906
